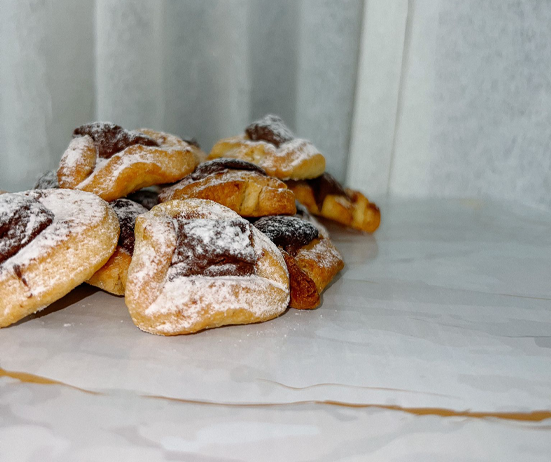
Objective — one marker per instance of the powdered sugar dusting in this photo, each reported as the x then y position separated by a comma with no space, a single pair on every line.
121,162
149,255
204,208
211,247
287,232
101,152
219,237
47,181
187,300
262,246
181,303
209,181
325,255
127,211
285,158
297,151
74,212
271,129
110,138
21,219
72,158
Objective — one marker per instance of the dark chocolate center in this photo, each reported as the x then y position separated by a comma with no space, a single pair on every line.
110,138
291,233
325,185
271,129
222,164
47,181
127,211
21,220
210,247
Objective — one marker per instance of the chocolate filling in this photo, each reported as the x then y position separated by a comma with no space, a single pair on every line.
127,211
325,185
304,293
21,220
210,247
110,138
271,129
290,233
47,181
145,197
222,164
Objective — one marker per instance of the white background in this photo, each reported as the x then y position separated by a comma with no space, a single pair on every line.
407,98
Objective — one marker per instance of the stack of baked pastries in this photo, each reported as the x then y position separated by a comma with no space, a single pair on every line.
191,241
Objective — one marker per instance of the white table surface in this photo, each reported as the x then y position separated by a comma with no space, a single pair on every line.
434,343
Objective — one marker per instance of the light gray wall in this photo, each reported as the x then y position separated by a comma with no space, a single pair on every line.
46,83
193,68
477,86
466,110
408,98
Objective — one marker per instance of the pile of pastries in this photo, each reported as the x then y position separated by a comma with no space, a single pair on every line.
191,241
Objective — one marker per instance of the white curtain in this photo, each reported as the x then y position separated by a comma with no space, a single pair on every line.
202,68
428,98
454,100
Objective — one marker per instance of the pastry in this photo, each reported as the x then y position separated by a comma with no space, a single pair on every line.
324,196
242,186
199,265
312,259
112,162
271,145
111,277
47,181
51,241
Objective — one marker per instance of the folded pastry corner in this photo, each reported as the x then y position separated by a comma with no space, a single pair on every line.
107,160
47,180
51,241
112,276
269,143
198,265
312,259
239,185
326,197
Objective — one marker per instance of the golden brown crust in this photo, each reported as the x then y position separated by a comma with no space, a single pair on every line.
111,277
313,266
247,193
133,168
353,210
311,258
297,159
321,261
81,239
304,293
190,304
2,191
366,216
